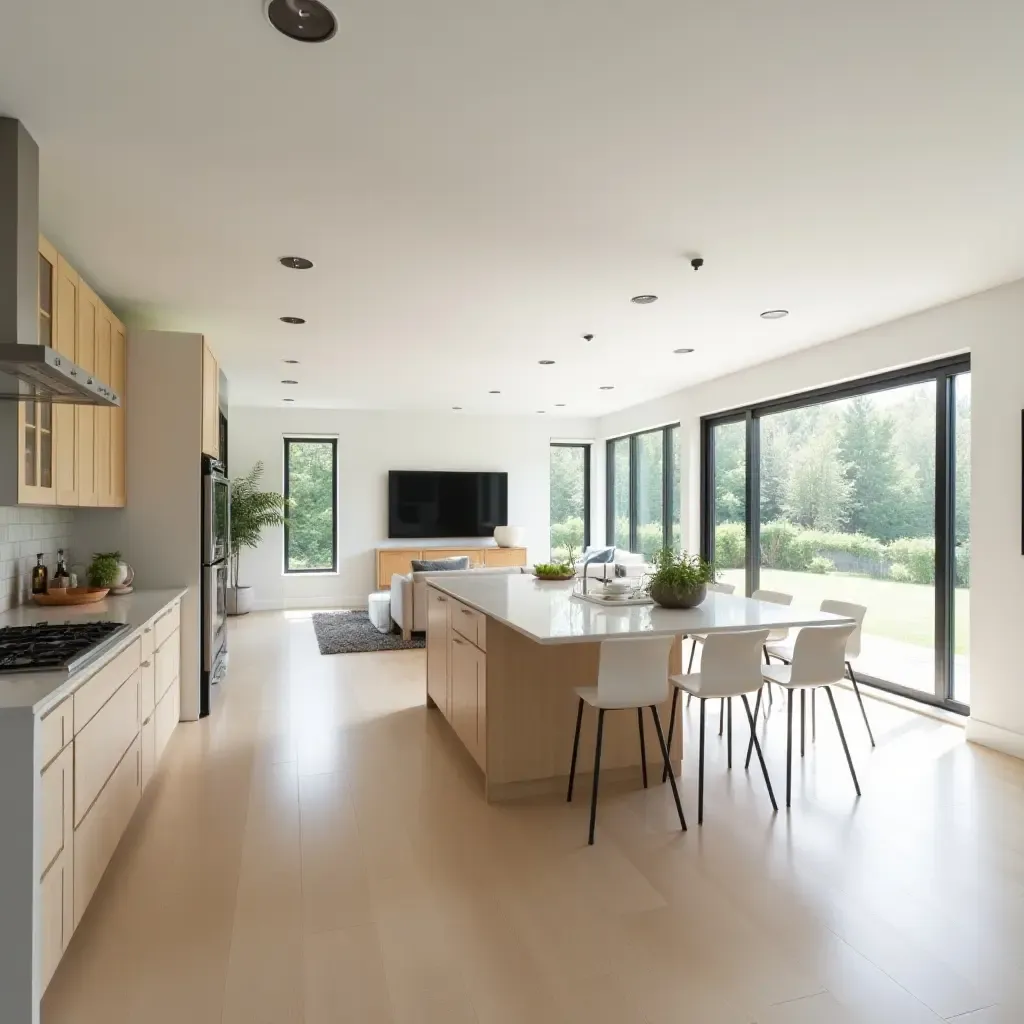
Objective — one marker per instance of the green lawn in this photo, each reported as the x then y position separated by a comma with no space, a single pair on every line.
898,611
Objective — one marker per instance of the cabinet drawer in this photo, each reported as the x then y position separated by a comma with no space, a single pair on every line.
148,638
95,692
147,687
100,745
55,731
55,798
165,718
101,829
470,624
167,661
56,915
147,739
166,624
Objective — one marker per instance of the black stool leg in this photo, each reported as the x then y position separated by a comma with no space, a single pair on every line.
750,745
860,701
643,746
672,726
846,749
700,767
671,774
597,774
693,651
803,715
728,713
752,719
575,751
789,747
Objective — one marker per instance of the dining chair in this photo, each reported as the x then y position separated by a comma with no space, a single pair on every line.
699,638
819,661
730,666
857,612
632,675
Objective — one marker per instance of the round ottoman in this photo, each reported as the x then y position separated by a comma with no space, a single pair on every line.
378,608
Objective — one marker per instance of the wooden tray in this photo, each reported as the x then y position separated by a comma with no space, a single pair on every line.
73,595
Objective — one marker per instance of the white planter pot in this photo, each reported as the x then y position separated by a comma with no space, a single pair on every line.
510,536
239,600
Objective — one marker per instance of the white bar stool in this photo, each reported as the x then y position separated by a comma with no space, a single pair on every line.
730,666
632,674
819,660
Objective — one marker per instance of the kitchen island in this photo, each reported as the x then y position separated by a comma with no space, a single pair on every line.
505,654
76,752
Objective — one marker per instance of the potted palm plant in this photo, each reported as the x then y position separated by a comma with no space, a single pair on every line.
252,511
680,581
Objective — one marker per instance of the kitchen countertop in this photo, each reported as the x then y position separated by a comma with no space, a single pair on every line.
545,611
40,690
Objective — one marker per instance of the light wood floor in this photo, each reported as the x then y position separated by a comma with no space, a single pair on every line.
319,851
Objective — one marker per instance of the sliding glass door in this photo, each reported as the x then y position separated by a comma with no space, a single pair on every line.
569,499
859,493
643,491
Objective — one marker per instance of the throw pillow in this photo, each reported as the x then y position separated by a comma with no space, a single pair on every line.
440,564
595,556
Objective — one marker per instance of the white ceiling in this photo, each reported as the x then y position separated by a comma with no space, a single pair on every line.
481,182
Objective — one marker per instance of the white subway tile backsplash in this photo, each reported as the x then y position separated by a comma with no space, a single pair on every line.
23,533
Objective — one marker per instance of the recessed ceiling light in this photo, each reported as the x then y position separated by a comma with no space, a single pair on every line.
540,412
292,320
308,21
774,314
644,300
607,387
494,392
546,362
559,405
682,351
296,262
289,382
457,408
291,362
287,399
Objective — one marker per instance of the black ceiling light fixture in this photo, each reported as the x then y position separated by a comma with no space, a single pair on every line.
292,320
644,300
774,314
308,21
296,262
588,337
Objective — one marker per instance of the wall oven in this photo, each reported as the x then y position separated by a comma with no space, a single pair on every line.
216,513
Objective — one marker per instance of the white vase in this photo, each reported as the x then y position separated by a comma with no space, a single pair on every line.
239,600
510,536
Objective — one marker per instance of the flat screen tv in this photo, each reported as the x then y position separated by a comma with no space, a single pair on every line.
428,504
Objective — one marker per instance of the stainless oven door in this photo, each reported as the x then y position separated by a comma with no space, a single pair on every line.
216,517
215,612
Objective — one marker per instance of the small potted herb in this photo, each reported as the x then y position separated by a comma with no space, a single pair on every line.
680,581
105,570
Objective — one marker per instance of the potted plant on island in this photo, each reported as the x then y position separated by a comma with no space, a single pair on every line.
680,581
252,511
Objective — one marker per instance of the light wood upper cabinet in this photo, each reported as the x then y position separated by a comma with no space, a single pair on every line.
211,404
118,381
85,424
65,420
101,416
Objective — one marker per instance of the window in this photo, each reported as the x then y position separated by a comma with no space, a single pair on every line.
858,493
310,489
570,499
643,486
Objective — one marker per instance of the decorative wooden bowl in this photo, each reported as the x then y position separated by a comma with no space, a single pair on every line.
562,577
73,595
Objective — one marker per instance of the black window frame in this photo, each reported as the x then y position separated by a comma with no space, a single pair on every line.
668,505
333,442
586,446
944,373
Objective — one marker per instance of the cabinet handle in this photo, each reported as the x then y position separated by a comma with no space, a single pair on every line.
456,640
465,611
146,664
445,599
147,630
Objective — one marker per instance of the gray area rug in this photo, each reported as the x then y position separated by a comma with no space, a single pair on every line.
354,633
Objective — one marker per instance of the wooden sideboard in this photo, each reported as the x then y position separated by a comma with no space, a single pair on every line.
392,561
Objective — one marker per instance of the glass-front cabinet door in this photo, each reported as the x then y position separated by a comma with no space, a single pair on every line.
35,419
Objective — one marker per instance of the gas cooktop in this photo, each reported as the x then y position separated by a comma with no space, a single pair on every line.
52,646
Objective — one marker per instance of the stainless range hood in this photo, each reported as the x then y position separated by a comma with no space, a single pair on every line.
29,370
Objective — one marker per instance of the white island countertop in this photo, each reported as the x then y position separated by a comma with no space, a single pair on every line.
39,690
546,611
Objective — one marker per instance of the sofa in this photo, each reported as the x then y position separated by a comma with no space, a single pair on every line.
409,593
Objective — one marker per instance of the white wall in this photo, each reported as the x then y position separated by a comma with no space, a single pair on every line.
991,327
370,444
